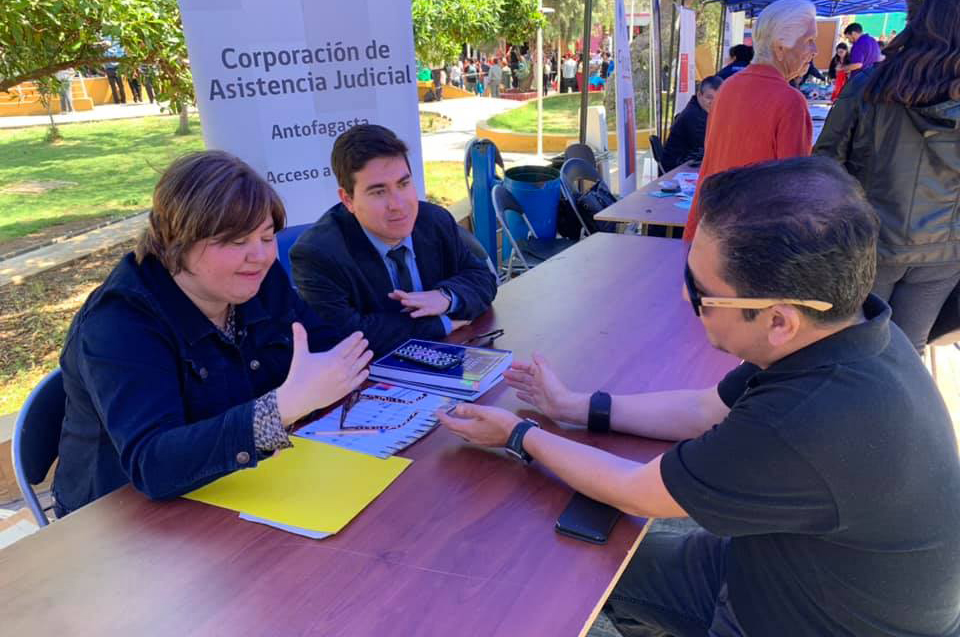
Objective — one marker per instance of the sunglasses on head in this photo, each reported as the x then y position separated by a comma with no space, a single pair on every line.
698,301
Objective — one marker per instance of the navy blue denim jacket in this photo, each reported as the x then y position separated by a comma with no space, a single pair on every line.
156,395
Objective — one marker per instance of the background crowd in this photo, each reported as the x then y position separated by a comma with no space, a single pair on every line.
513,70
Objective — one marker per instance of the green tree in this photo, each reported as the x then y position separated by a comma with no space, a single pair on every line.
40,37
566,22
519,20
441,27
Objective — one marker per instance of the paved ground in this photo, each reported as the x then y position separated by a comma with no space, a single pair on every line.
15,269
96,114
464,113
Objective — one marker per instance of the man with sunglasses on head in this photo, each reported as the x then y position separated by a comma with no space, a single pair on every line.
823,471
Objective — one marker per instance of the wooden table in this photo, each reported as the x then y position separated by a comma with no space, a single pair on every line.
818,113
640,208
461,544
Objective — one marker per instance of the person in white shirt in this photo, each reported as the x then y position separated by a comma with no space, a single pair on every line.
456,75
65,78
568,80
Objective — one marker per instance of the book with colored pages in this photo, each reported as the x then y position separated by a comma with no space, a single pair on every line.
461,368
468,396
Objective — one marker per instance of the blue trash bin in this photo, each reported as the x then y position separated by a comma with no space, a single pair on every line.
537,190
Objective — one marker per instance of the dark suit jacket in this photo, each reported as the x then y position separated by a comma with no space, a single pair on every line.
341,275
687,135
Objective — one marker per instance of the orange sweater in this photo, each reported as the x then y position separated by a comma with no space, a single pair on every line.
757,116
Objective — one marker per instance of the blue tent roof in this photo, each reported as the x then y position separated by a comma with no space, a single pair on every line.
825,8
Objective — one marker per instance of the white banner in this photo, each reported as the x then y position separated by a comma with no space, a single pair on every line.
687,67
626,111
732,33
278,80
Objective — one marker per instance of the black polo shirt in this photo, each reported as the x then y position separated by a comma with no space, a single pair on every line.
836,475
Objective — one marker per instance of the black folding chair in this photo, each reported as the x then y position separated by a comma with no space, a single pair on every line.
581,151
476,248
656,147
577,177
527,251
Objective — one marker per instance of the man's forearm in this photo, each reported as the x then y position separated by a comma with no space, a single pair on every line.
632,487
667,415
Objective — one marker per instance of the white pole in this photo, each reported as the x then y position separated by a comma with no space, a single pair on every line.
540,87
556,63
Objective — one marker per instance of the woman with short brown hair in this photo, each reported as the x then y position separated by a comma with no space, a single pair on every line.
192,358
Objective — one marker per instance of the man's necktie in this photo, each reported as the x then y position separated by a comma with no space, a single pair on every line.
399,256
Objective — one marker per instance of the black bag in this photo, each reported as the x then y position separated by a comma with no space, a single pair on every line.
595,200
588,205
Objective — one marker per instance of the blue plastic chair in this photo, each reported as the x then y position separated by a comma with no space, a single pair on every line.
36,438
285,240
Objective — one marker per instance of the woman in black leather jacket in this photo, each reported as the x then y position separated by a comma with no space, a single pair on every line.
897,130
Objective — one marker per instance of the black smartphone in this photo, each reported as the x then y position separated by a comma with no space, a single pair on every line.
588,520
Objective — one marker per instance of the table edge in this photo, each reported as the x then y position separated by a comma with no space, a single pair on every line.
616,578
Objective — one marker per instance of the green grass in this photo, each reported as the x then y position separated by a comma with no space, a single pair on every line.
561,114
115,165
445,185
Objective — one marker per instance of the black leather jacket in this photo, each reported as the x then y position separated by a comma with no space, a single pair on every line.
908,161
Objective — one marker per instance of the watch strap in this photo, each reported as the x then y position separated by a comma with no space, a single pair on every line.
514,444
447,295
598,418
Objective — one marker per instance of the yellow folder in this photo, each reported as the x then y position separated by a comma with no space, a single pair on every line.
312,485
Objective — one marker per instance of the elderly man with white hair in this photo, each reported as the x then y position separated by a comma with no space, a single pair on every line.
757,116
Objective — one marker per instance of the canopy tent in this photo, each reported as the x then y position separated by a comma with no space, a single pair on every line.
826,8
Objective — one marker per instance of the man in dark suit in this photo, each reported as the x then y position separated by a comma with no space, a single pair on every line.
383,262
689,129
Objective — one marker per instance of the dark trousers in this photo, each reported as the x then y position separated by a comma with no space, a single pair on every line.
148,84
916,295
66,98
146,76
675,587
568,84
135,88
116,86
